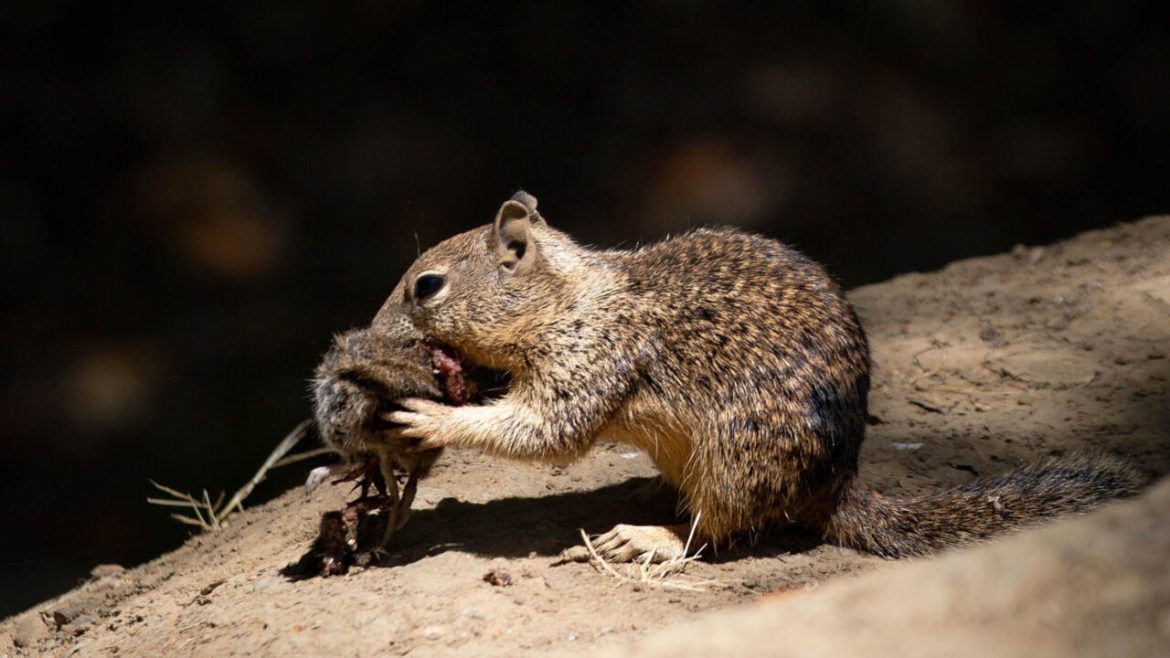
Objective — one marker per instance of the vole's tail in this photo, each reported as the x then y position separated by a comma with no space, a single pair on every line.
868,521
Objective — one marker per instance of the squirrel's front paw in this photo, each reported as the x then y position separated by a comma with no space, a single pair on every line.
422,419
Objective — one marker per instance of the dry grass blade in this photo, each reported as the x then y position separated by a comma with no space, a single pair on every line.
213,515
177,494
600,560
168,502
301,456
279,452
190,521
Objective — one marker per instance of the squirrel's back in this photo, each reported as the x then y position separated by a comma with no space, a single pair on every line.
754,350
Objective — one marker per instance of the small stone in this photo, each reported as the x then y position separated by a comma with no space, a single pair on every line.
498,578
434,632
557,580
263,584
82,624
62,616
103,570
576,553
28,630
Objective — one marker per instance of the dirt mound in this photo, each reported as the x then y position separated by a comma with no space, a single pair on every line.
989,363
1097,586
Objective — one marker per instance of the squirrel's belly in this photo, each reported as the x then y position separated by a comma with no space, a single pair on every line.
666,443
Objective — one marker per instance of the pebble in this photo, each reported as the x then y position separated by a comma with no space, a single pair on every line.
557,580
263,584
62,616
28,630
103,570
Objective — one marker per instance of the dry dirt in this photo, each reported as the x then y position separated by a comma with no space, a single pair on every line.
986,364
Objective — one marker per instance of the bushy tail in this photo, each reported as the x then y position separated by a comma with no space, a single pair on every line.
868,521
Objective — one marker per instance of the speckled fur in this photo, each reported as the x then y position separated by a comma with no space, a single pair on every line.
733,360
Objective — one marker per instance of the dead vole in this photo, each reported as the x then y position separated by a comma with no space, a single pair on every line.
357,383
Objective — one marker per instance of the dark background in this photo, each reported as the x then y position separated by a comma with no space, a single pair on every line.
194,199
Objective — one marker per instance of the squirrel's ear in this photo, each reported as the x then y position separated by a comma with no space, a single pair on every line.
511,240
529,202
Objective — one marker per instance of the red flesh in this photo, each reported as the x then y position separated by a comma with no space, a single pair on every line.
451,371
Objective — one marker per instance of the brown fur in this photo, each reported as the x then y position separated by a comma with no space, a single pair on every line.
733,360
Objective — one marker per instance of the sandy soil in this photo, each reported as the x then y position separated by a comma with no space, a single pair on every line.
1094,586
986,364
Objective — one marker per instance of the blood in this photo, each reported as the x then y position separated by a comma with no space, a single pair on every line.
451,372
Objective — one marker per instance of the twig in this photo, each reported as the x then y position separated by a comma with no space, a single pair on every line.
301,456
213,516
281,450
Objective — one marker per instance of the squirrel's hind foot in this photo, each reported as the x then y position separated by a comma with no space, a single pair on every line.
633,543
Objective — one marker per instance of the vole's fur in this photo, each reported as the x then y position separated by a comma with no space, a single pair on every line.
731,359
361,376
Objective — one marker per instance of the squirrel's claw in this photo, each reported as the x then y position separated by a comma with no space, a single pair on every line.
422,419
423,406
428,443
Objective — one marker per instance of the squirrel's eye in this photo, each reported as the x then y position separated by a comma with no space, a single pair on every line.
427,285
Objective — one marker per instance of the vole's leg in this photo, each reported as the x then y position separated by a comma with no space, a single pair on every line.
392,508
633,543
407,500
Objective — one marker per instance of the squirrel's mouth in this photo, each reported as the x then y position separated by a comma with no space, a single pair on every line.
461,380
365,376
448,367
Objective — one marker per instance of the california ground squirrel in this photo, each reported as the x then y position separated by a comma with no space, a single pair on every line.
731,359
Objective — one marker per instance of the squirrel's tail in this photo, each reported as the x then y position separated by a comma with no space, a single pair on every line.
889,527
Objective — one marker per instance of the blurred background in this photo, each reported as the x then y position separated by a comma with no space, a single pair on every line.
195,198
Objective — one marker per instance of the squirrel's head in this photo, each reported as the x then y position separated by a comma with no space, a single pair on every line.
479,292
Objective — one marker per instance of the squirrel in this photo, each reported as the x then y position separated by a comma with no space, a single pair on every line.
733,360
